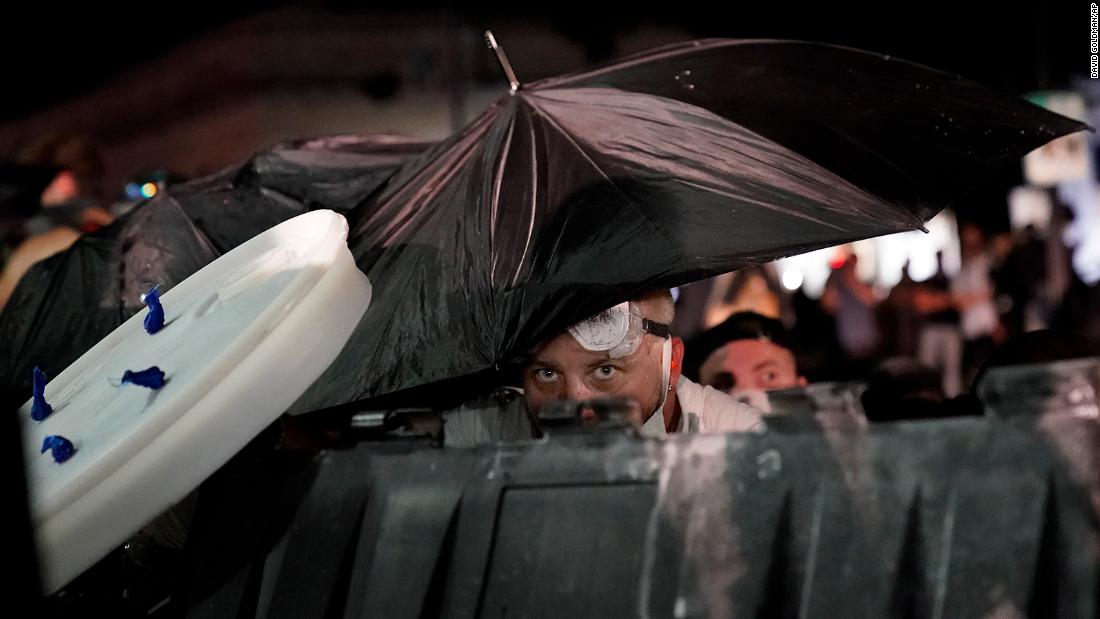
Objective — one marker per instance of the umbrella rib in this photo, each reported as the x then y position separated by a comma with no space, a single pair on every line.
580,149
804,216
915,220
577,146
464,145
836,130
773,207
767,205
790,171
911,219
496,202
643,58
531,214
406,219
810,180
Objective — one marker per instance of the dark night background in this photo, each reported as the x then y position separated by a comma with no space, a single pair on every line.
55,53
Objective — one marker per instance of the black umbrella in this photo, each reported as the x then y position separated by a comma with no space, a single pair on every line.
67,303
574,193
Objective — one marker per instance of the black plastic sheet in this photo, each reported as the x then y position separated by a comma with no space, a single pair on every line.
67,303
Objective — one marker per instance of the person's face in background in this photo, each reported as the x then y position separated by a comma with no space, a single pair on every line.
972,241
1002,245
66,187
62,188
751,364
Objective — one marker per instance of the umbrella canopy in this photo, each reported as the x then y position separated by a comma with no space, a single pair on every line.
574,193
67,303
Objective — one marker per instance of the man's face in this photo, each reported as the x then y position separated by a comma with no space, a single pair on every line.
751,364
563,370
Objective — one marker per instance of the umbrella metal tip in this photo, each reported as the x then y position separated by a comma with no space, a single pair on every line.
506,66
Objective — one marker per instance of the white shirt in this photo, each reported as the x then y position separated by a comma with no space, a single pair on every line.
705,410
981,318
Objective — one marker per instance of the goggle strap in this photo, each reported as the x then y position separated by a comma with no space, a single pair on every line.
659,329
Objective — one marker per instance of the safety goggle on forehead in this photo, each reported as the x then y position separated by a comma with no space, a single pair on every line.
617,330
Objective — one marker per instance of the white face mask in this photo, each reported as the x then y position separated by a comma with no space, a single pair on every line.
654,425
666,374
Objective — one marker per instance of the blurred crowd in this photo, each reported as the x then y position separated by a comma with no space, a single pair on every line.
1008,285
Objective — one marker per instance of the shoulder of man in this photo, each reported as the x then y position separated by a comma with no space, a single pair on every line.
717,411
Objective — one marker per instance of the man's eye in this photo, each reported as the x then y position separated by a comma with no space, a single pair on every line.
546,375
606,371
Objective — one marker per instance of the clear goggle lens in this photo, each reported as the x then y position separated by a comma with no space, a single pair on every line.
617,330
